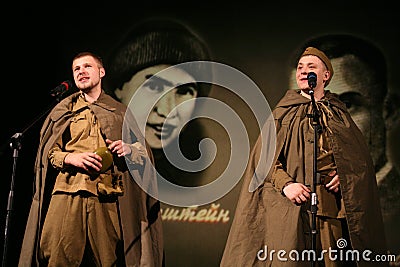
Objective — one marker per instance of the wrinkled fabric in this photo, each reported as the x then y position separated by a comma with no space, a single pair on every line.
139,213
265,218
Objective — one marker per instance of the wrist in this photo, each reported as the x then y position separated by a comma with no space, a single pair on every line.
284,186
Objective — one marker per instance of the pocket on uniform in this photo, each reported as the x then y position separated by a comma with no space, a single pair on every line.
110,185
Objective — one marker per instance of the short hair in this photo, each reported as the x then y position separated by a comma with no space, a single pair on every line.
88,53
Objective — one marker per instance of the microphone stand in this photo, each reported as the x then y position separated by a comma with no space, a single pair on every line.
314,198
15,144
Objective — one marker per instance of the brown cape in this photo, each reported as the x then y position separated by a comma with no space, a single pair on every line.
140,213
267,219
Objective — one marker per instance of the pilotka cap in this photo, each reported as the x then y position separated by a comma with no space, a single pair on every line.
321,55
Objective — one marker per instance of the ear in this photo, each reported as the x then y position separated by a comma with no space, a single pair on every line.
327,74
102,72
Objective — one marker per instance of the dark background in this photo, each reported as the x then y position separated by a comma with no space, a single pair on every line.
258,39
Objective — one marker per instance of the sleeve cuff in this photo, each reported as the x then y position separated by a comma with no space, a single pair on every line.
281,178
58,160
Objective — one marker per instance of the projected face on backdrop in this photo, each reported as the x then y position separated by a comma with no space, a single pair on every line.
158,126
353,90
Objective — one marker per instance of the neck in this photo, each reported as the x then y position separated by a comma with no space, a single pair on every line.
92,94
318,95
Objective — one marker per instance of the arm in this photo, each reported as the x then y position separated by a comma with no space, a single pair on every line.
297,193
136,152
60,159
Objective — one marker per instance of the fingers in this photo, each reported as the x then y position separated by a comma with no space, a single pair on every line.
117,147
108,141
306,189
112,144
87,161
332,173
334,188
300,199
334,184
92,161
122,149
297,193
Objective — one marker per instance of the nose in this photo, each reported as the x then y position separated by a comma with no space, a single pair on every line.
81,72
165,105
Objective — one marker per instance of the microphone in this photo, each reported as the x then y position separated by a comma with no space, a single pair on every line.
312,80
61,89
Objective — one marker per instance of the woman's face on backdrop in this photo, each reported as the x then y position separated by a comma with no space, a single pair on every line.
165,117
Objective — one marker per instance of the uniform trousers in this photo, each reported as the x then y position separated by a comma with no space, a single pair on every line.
81,229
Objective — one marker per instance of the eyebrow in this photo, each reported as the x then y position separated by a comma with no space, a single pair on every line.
159,79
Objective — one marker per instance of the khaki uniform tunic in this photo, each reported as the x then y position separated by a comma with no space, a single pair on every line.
77,217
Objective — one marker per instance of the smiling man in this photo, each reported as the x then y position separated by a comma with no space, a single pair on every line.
277,215
361,83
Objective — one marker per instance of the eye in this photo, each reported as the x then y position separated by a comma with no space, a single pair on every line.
155,85
354,101
186,90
